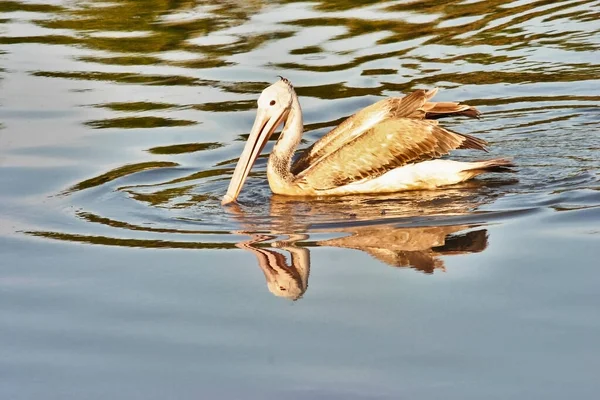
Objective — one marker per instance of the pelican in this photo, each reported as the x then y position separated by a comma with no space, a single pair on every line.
389,146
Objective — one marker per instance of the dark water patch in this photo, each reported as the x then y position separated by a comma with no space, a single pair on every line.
381,71
119,173
48,39
140,243
184,148
307,50
138,122
121,78
201,63
149,44
227,106
96,219
538,102
113,17
123,60
13,6
163,198
494,77
137,106
335,91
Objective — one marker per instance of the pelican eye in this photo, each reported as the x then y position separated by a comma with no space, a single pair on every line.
272,103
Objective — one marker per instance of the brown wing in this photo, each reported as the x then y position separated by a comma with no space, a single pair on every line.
391,143
449,109
357,124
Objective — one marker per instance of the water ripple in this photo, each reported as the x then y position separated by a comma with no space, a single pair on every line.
165,96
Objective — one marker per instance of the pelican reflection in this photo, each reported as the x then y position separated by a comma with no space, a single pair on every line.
283,252
283,279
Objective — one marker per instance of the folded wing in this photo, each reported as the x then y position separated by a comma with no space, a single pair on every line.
355,125
381,137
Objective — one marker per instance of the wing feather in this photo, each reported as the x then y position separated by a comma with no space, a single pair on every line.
357,124
389,144
437,110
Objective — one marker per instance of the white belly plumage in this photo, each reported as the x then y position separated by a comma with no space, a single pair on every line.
423,175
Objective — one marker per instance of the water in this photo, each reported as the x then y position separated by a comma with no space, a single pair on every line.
121,276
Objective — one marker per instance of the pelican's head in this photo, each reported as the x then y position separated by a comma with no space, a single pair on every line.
278,96
273,107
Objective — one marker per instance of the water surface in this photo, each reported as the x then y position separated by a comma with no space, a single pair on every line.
122,276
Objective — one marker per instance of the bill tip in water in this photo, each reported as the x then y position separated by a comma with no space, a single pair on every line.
227,199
